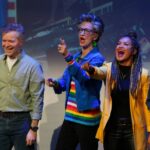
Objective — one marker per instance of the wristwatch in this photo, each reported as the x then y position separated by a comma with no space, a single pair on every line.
34,129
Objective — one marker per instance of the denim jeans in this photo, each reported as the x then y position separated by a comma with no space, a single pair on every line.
13,131
119,136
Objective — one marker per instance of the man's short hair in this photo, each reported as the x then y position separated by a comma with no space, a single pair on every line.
14,27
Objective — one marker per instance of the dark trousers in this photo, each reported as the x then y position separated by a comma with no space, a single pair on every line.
13,130
119,136
73,133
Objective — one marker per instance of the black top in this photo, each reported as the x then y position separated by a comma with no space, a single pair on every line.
120,95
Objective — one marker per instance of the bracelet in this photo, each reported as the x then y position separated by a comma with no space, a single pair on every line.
70,62
91,70
68,58
34,129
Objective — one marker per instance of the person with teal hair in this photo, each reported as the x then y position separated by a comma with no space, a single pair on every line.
82,107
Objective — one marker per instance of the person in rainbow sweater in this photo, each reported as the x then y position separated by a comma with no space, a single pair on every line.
82,109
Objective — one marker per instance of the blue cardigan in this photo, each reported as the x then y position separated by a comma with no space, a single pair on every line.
87,90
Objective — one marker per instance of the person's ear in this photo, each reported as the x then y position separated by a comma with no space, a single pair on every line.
95,37
134,51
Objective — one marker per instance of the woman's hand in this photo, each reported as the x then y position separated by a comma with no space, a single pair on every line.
50,82
62,48
88,68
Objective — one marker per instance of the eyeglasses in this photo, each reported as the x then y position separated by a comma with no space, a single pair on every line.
85,31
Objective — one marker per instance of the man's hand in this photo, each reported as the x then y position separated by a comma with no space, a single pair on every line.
31,137
62,48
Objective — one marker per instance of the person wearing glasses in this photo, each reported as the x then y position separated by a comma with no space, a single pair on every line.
82,107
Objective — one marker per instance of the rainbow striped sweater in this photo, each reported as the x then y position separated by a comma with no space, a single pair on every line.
88,117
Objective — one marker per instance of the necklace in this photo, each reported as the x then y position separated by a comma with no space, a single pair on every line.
124,72
123,75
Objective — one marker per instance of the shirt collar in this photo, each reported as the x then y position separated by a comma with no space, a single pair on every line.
22,53
88,56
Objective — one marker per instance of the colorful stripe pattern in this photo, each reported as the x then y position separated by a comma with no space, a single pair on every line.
90,117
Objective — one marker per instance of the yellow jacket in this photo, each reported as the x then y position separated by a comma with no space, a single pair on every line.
140,114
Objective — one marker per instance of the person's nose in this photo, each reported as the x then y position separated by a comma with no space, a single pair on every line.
120,46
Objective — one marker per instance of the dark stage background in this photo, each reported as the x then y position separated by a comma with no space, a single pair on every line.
46,21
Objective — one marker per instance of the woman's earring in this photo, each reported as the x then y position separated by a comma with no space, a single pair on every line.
94,44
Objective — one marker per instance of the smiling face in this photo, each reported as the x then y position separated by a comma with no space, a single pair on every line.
124,51
11,43
86,35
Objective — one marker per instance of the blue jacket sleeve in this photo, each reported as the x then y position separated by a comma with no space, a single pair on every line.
61,83
80,74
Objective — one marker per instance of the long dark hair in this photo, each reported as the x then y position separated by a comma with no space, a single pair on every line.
136,67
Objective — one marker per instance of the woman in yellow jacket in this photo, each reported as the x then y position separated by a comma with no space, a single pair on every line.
125,122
